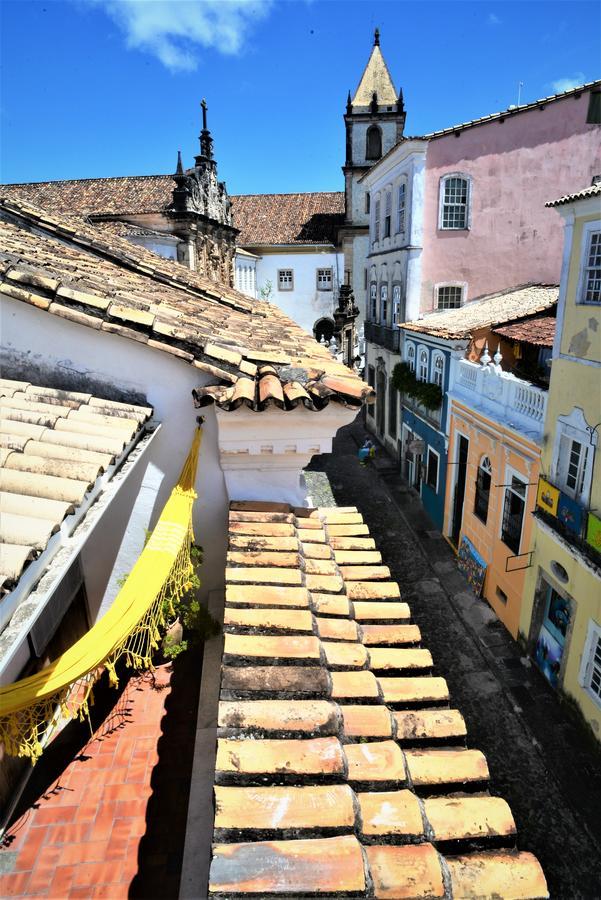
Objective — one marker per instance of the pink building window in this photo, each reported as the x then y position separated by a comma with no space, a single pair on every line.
454,202
449,296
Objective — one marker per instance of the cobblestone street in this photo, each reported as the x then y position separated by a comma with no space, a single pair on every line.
544,764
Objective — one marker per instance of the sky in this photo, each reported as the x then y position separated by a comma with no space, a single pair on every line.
94,88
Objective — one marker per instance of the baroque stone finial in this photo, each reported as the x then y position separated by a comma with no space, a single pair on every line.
377,37
179,169
485,355
498,357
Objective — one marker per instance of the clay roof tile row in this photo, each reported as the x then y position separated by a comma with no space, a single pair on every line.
67,269
341,769
54,444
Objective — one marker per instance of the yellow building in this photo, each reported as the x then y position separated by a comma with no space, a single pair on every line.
561,610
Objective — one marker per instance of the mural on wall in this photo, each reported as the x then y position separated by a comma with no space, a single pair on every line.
552,635
472,565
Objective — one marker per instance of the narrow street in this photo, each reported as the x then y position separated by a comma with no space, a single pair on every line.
541,760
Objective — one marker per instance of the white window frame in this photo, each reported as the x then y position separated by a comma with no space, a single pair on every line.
510,473
396,303
588,664
283,285
401,213
421,351
377,208
450,284
320,285
436,355
588,229
435,453
373,301
384,303
410,354
441,202
574,428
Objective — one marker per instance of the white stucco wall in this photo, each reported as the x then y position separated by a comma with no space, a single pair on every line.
98,362
305,304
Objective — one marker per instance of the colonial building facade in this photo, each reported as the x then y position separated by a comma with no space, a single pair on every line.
561,613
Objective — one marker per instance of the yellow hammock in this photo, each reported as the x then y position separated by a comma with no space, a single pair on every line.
130,628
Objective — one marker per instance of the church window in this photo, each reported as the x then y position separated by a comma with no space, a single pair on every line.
454,202
449,296
285,280
377,222
400,213
324,279
373,149
384,303
388,215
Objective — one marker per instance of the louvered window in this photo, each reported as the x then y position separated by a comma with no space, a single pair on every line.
482,496
388,216
400,220
592,272
513,514
590,672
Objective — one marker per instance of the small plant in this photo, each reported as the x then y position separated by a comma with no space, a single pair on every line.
197,624
266,291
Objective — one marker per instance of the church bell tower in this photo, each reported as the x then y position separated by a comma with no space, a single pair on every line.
374,122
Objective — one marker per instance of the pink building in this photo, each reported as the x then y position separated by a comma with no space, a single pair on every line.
485,225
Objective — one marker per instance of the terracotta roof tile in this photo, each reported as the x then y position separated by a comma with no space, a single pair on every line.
491,311
112,285
326,745
308,218
539,331
594,190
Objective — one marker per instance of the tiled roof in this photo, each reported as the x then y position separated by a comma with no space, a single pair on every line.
311,218
255,353
497,309
53,446
539,331
514,110
342,768
128,195
593,191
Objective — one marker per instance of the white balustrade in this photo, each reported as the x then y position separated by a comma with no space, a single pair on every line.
505,398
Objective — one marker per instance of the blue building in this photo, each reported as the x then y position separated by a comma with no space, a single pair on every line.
424,438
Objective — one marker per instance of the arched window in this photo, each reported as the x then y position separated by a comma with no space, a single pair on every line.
455,199
396,304
384,304
411,356
482,496
423,365
373,148
373,300
324,330
438,370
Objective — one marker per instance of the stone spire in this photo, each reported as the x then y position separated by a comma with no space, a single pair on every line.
375,79
206,141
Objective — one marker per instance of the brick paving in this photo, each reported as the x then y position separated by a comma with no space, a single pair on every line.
107,818
542,761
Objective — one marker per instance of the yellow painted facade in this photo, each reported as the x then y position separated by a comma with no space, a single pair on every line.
509,453
565,575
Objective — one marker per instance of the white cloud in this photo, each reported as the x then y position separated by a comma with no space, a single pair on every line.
493,20
566,84
174,30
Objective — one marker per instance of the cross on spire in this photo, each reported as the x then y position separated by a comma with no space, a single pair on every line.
203,104
377,37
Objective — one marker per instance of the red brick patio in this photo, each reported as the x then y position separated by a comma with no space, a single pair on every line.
101,829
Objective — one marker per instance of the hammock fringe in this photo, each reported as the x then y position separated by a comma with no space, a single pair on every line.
130,630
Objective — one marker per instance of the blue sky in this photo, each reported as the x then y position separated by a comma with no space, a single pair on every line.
95,88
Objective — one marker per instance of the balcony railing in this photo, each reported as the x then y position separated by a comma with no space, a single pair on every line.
383,335
569,519
432,415
507,399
